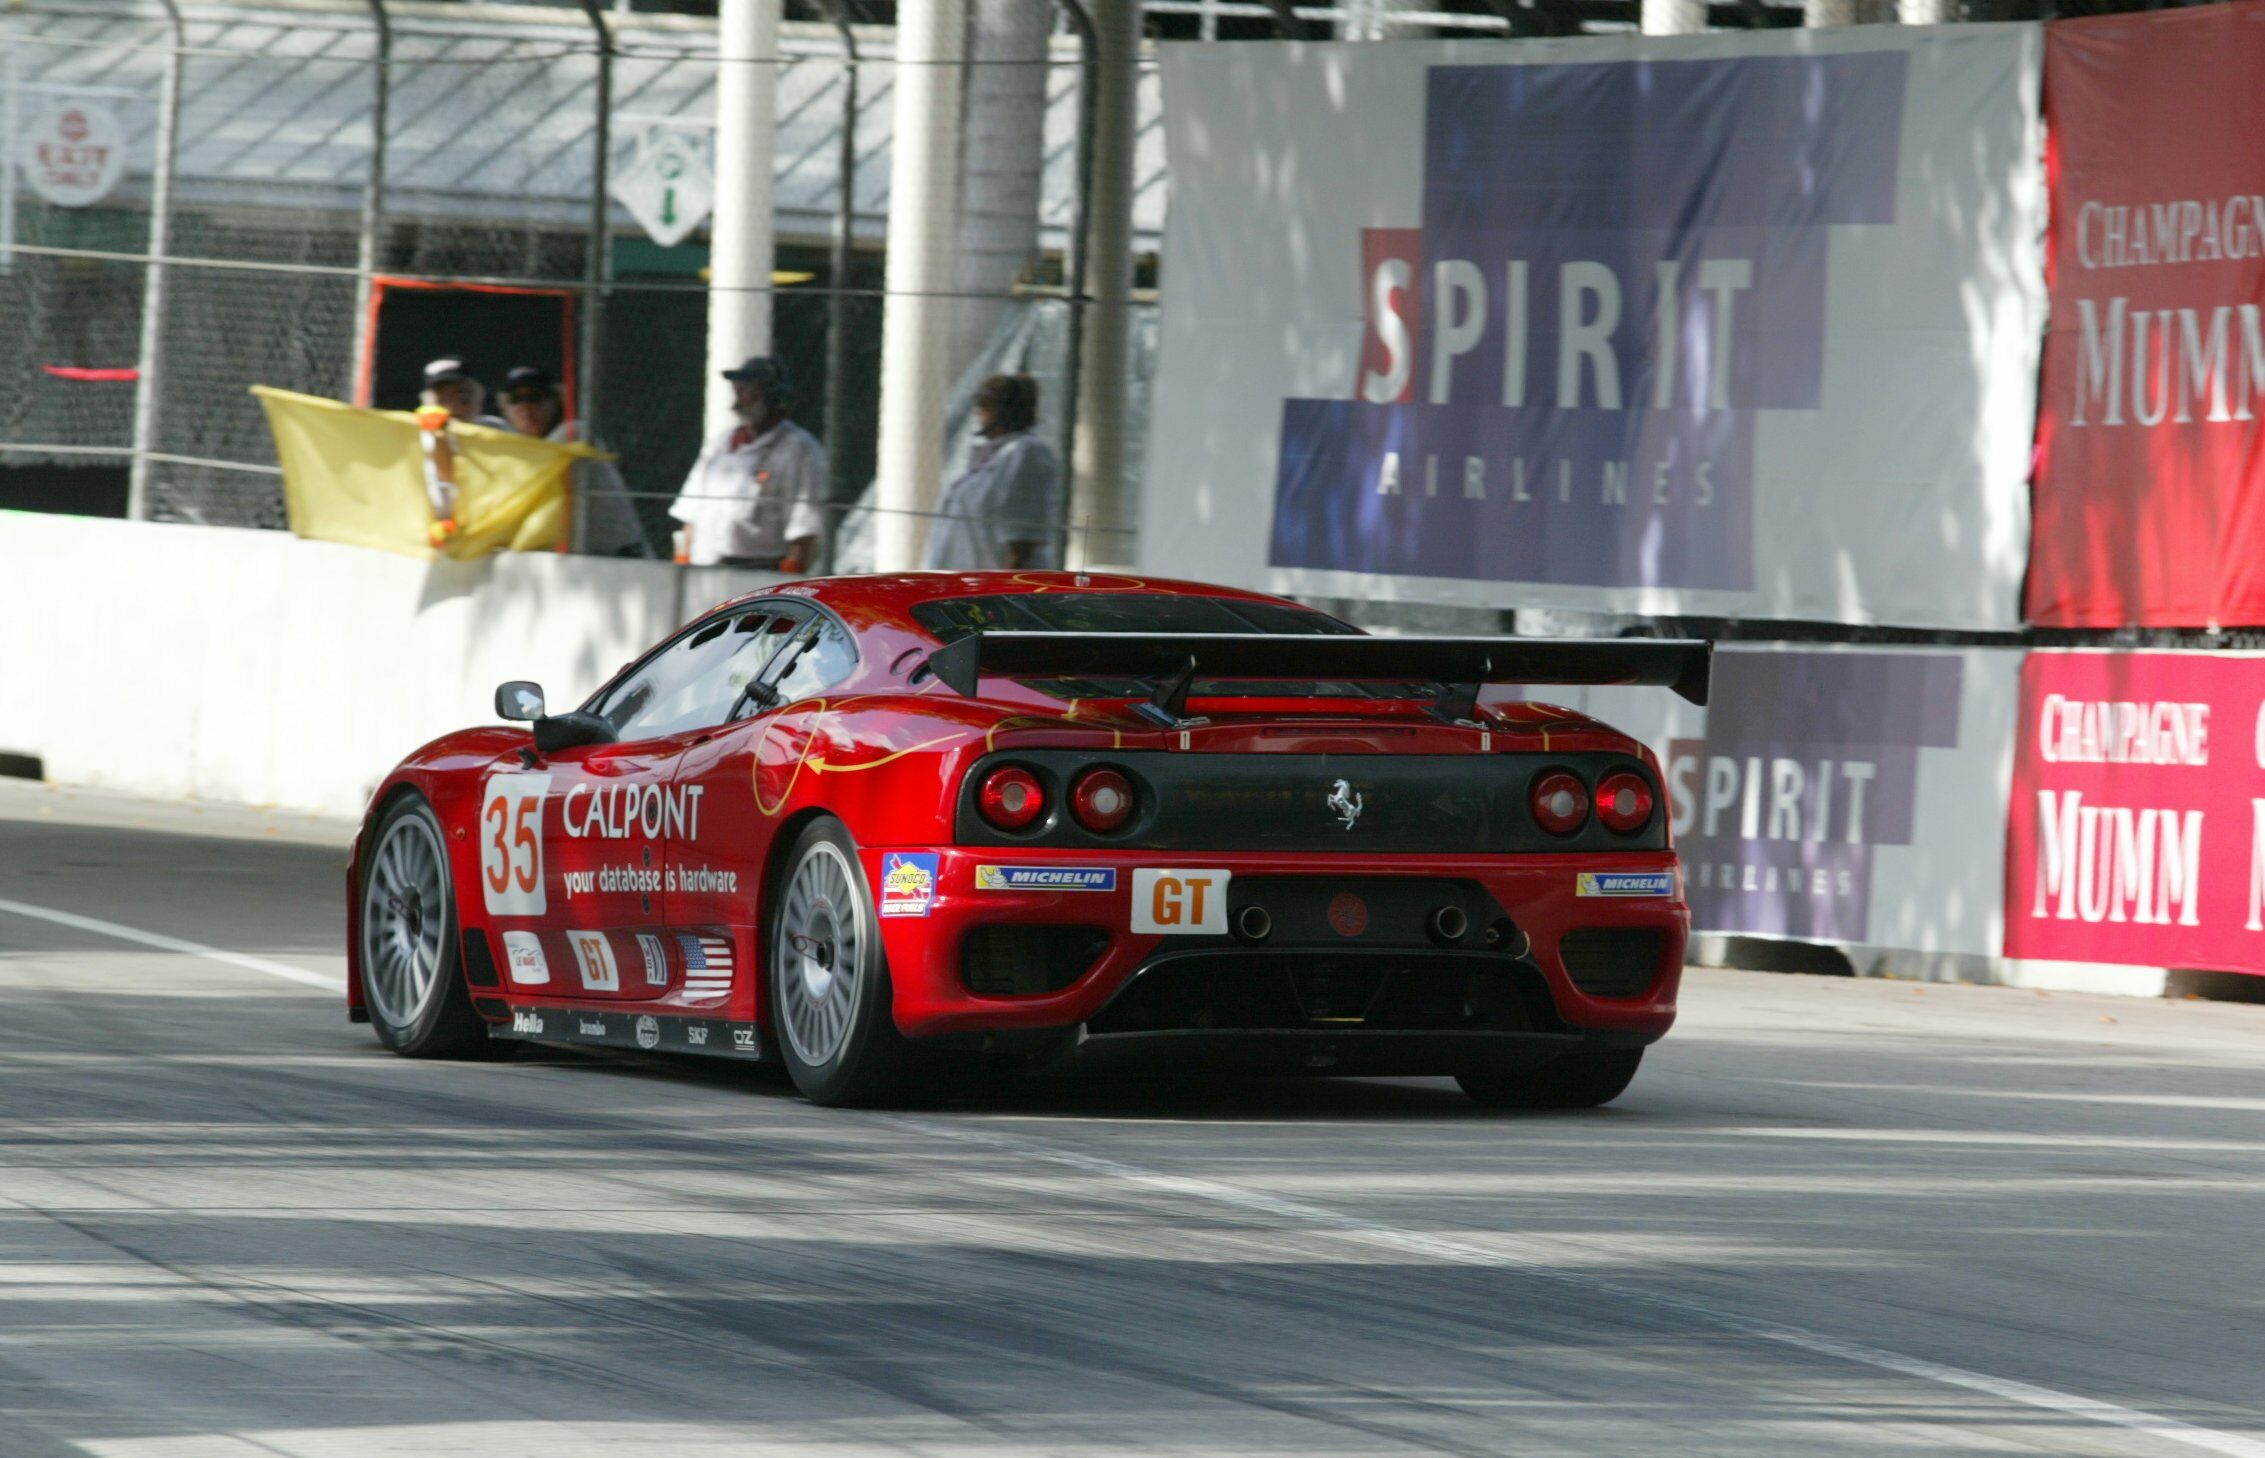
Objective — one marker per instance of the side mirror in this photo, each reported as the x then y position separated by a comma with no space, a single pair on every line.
519,700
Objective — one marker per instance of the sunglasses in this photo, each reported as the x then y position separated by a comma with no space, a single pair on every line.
524,398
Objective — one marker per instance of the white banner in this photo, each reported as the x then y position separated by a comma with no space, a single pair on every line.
1740,325
1832,794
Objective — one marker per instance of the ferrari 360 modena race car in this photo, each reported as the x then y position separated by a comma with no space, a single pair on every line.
869,827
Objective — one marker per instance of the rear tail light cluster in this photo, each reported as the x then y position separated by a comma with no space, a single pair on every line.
1102,800
1560,802
1012,798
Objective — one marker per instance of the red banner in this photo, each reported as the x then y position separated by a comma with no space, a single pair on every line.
2137,829
2150,496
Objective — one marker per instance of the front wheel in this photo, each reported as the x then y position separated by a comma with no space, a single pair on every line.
1582,1080
827,981
417,1000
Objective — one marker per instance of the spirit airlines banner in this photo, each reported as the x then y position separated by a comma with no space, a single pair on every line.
2137,832
1837,794
2150,503
1738,324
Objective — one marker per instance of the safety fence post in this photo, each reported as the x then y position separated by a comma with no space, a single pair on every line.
147,374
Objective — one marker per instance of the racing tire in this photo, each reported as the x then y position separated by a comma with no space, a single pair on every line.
826,979
1582,1080
412,985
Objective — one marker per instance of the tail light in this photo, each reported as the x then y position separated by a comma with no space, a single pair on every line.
1011,798
1560,802
1102,801
1624,802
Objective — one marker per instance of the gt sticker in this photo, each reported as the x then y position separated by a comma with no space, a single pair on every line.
511,844
656,960
593,958
523,953
908,882
1045,878
1180,903
1624,883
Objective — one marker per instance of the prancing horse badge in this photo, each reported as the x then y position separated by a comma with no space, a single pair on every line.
1345,802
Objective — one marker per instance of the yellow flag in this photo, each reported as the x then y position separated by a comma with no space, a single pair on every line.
358,477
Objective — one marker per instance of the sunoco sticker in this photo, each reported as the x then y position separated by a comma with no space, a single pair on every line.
1624,883
1045,878
908,882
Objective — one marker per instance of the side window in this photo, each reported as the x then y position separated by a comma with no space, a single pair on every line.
819,659
695,681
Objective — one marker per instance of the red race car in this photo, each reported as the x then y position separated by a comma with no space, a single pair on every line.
1045,820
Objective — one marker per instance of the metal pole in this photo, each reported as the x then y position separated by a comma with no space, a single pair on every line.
837,305
153,278
368,256
917,312
1098,448
740,238
1079,242
10,81
599,266
1673,17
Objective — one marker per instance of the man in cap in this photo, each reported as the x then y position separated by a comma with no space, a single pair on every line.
534,406
450,394
755,496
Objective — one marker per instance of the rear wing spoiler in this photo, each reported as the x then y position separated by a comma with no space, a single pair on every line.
1173,661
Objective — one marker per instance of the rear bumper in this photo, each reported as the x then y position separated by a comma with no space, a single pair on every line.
1539,896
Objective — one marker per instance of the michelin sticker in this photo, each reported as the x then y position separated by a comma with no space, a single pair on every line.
908,882
1045,878
1624,883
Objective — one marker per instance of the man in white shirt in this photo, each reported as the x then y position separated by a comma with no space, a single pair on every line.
1005,510
534,404
755,497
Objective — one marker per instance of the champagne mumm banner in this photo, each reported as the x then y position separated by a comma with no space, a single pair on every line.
1737,324
2137,824
2150,500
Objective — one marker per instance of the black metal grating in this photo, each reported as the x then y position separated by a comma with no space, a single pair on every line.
1612,961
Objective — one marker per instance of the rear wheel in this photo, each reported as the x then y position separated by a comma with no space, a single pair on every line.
415,993
827,981
1581,1080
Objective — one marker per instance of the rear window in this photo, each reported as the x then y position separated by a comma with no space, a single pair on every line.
1116,612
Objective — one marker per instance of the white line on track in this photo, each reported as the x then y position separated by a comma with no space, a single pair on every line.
1539,1265
173,944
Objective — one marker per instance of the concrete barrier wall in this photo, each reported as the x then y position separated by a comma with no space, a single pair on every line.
251,666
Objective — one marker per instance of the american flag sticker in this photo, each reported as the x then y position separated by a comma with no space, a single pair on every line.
707,964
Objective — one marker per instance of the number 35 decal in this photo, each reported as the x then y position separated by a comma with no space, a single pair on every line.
511,844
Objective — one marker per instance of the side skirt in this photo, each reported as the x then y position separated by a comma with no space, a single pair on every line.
644,1032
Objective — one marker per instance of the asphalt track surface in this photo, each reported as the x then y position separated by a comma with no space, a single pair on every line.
1832,1217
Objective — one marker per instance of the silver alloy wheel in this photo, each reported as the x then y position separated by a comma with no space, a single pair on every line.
404,921
821,947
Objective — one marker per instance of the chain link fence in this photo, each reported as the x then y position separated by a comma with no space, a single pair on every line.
350,194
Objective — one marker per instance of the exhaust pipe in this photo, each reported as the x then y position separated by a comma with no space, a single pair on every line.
1505,936
1252,924
1448,925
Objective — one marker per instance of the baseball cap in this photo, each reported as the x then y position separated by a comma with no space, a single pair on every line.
759,370
529,377
442,371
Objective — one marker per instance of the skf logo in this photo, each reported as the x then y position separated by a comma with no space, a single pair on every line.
1180,903
696,1035
1345,802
